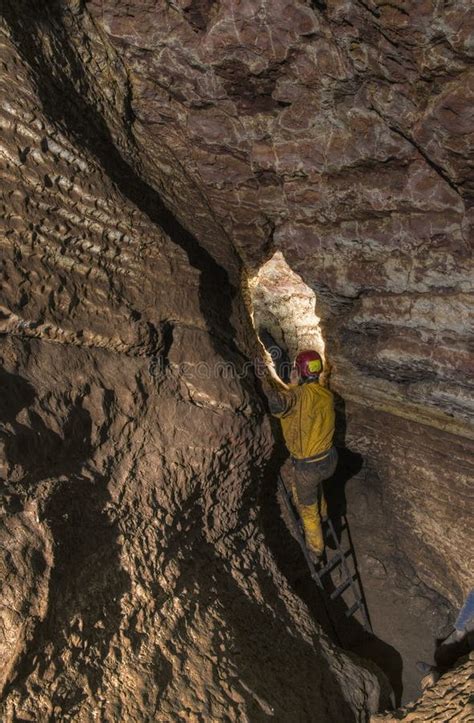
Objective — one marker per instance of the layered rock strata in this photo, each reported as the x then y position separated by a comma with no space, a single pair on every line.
136,582
340,133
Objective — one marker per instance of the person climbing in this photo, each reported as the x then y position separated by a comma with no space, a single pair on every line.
306,412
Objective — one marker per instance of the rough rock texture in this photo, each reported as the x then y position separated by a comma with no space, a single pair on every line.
449,699
283,305
136,581
341,134
144,144
25,566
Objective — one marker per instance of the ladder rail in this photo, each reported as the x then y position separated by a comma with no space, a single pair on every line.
302,544
364,608
351,580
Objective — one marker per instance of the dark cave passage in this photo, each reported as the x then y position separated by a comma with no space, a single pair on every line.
407,616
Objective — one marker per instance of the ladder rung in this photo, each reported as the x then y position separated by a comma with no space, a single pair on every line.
332,563
354,608
343,586
338,557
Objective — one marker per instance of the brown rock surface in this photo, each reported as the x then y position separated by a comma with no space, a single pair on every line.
341,134
449,699
138,584
149,148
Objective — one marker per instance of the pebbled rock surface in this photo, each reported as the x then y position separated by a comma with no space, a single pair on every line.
137,583
25,565
449,699
339,133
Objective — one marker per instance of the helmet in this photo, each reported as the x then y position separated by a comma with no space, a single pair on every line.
309,364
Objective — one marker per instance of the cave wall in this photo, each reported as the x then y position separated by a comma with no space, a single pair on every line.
341,134
137,583
283,305
143,145
450,696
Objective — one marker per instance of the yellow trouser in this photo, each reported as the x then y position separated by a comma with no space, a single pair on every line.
311,518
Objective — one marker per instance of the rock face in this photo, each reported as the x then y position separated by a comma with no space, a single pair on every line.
137,583
150,150
25,564
449,699
283,305
339,133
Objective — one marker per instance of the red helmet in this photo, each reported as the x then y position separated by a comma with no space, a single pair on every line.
309,364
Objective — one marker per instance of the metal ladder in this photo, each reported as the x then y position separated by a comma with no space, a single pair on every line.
350,580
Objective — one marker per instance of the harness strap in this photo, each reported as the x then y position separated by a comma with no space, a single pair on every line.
316,458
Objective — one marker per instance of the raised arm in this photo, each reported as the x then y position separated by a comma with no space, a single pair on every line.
281,397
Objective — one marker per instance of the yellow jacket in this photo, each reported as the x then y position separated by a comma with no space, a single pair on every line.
306,412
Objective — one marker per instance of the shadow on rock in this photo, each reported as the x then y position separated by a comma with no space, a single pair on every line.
33,451
87,580
277,673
